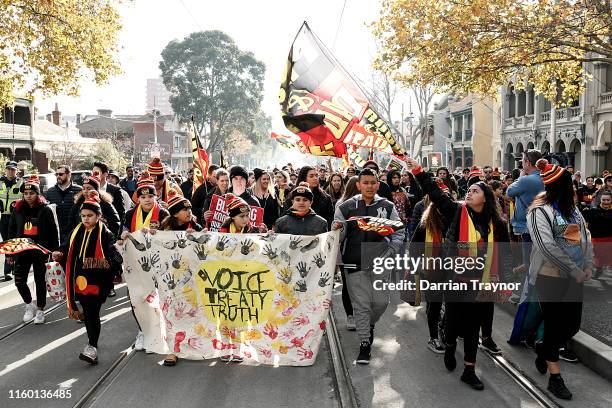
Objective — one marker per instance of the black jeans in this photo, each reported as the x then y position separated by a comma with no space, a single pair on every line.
464,319
91,310
23,262
4,224
561,312
346,299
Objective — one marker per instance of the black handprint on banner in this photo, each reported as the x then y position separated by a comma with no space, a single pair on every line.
138,245
144,263
176,260
300,286
201,252
246,246
155,281
319,260
148,240
270,252
222,243
294,242
285,257
154,259
303,269
181,241
168,279
202,239
324,279
310,245
270,236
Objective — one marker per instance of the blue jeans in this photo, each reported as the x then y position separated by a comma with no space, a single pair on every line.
526,245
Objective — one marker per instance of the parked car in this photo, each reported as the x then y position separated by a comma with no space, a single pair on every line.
47,181
78,176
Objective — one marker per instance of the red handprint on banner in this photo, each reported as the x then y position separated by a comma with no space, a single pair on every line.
305,354
301,320
270,331
178,339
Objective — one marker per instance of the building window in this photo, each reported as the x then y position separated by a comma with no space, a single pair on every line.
511,104
532,100
609,78
522,102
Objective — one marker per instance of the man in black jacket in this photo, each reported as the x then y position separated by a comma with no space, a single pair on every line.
321,203
62,195
114,191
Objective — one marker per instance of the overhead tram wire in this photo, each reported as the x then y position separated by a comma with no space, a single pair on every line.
339,24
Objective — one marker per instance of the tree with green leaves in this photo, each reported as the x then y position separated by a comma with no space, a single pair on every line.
50,46
210,78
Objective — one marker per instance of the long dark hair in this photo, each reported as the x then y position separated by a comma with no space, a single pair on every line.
329,190
350,190
561,192
302,177
491,209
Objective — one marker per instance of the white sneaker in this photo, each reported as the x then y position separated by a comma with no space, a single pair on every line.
350,323
89,354
139,344
30,310
40,317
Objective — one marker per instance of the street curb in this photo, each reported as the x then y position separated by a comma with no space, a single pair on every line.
591,352
346,392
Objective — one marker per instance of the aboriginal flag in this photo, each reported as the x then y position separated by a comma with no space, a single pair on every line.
200,158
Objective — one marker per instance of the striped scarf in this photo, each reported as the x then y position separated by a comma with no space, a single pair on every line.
469,238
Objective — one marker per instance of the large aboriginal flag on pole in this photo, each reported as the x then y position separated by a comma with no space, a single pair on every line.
200,158
325,107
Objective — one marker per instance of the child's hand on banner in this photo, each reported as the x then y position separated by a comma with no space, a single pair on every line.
262,228
208,215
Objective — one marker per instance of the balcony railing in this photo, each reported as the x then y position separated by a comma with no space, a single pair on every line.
574,111
606,98
468,134
458,135
545,117
21,132
560,114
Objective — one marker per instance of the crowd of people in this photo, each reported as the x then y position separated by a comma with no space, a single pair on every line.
542,209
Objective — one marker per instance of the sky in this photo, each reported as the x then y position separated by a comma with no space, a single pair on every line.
265,28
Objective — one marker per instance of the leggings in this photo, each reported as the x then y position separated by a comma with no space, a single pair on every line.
23,262
346,299
91,310
133,313
486,319
433,318
561,317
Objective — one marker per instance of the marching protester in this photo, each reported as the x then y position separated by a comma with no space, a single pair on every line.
10,191
146,216
561,260
239,179
62,195
204,190
90,257
322,202
220,189
180,218
607,187
335,187
114,191
599,221
128,184
368,304
350,191
300,218
238,221
162,184
264,195
444,174
282,189
428,236
475,222
32,218
586,193
187,185
383,190
399,197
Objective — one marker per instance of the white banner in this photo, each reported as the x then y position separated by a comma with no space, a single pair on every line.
206,295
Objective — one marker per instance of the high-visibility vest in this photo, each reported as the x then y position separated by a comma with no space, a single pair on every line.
9,195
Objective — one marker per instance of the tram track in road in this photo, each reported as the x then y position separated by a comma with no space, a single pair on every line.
524,381
341,377
25,324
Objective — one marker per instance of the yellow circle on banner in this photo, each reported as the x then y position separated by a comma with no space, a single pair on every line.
236,293
81,282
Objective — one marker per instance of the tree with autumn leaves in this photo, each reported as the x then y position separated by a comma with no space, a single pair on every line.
51,46
476,46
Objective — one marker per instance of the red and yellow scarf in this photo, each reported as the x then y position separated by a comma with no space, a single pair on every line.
470,237
91,257
137,223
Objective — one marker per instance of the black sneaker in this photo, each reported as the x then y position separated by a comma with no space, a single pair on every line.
567,355
489,345
530,342
371,334
558,388
450,362
540,362
470,378
112,293
436,346
7,278
364,353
